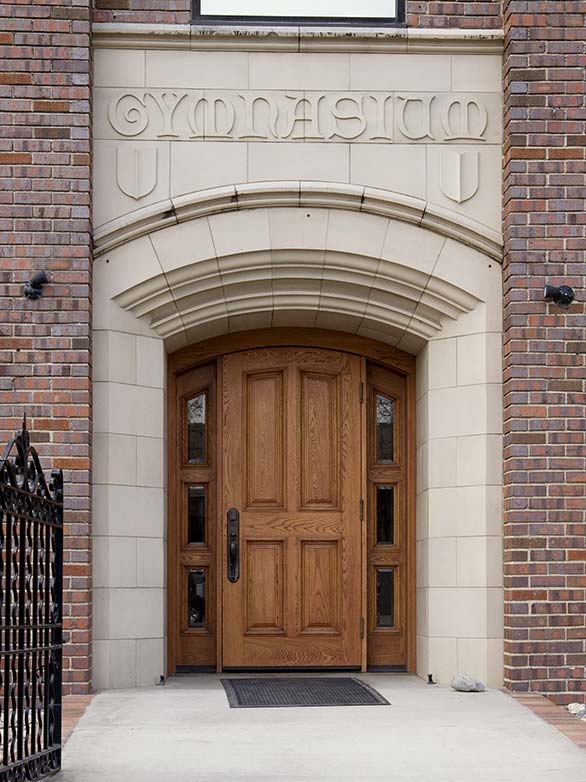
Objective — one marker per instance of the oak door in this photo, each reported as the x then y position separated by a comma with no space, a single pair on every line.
291,441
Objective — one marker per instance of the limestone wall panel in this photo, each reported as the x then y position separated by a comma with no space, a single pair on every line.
379,171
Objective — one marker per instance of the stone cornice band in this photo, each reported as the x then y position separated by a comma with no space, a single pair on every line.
296,39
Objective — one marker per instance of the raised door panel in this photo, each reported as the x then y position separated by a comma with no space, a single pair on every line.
321,587
320,437
264,573
264,440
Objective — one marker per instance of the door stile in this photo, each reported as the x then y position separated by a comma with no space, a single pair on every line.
411,497
172,584
292,406
363,515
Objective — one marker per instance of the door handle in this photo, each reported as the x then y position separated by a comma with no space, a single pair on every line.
233,545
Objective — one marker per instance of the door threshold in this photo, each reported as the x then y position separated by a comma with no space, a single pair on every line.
183,670
291,669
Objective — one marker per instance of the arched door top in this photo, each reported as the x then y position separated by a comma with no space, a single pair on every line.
331,268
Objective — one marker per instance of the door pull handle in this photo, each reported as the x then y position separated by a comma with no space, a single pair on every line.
233,545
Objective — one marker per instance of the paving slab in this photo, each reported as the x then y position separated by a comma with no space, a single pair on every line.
186,732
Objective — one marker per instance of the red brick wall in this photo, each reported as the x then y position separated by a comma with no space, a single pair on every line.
545,347
143,11
45,354
429,13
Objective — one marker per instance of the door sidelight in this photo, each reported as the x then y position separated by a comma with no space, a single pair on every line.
233,545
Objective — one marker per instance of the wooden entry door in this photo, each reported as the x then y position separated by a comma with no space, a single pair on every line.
291,441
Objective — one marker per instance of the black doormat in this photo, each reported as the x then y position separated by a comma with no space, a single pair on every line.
280,691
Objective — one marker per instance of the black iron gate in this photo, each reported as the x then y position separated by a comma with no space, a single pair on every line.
31,600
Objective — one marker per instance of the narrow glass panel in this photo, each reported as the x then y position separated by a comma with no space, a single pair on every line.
385,409
196,514
385,597
385,515
196,598
196,429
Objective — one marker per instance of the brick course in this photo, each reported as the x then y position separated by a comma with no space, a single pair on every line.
429,13
143,11
45,352
545,369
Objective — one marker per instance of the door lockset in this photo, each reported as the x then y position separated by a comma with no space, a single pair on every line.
233,545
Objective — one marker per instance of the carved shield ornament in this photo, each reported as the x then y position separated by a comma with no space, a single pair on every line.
136,170
459,175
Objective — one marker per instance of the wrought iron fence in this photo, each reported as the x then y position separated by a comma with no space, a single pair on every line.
31,600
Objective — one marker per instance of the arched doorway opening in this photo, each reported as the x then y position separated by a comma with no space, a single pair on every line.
291,539
427,287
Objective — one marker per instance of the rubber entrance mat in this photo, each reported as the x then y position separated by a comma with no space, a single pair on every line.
281,691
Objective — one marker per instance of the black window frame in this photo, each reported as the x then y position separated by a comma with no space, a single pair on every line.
397,21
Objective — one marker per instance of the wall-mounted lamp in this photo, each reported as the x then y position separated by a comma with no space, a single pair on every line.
562,296
34,287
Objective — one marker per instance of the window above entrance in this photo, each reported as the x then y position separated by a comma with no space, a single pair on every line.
361,12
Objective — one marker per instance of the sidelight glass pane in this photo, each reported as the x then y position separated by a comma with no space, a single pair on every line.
196,514
385,430
196,598
196,429
385,597
385,515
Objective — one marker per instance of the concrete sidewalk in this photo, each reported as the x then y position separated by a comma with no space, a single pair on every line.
186,732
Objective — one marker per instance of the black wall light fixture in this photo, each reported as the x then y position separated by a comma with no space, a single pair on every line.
34,287
562,296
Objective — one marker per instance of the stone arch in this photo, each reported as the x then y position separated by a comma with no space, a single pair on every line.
335,260
338,195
